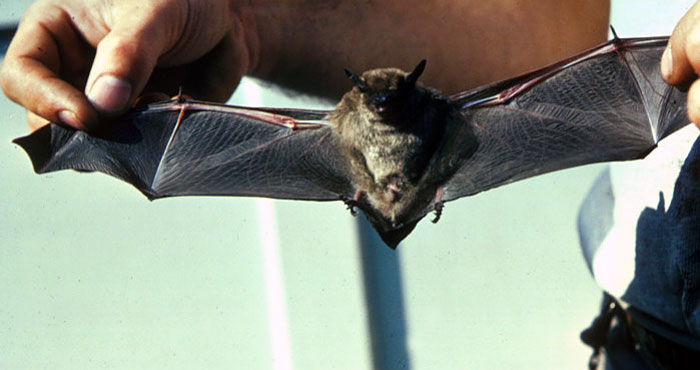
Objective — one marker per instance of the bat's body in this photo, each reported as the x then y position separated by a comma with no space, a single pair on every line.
393,148
390,128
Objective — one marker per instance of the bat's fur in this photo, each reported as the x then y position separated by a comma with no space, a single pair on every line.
390,127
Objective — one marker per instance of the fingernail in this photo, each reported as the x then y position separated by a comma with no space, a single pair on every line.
69,118
667,62
109,94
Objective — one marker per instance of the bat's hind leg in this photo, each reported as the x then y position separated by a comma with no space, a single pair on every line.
353,203
438,205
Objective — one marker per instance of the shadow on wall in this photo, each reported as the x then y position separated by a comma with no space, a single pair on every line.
384,298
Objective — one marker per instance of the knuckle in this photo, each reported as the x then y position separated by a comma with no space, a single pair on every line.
8,80
127,52
120,47
42,9
35,9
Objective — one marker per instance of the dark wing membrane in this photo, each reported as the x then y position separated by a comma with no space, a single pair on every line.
606,104
213,150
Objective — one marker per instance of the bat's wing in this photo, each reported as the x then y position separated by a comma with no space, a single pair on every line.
184,147
606,104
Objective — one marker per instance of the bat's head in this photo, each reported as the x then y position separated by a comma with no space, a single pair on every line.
387,92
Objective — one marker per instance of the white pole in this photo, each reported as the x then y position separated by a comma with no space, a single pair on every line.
272,271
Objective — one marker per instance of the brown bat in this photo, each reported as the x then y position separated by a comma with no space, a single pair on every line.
393,148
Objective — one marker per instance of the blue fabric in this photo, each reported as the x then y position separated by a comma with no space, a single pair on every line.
668,255
664,294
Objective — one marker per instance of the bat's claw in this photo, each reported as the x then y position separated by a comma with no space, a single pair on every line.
438,211
352,209
351,204
290,122
438,205
180,97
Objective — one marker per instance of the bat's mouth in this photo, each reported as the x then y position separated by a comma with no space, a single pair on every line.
386,111
381,109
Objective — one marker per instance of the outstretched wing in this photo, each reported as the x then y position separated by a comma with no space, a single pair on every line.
606,104
184,147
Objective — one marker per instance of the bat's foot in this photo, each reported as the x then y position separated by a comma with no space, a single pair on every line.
351,204
438,205
437,208
354,202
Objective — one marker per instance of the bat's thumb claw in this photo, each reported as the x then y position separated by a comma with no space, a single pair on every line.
438,211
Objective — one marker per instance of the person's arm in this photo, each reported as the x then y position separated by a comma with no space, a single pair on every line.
466,43
206,46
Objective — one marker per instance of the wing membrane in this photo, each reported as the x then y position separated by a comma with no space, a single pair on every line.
205,149
606,104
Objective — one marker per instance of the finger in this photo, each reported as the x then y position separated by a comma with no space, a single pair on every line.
125,59
35,121
681,59
30,71
694,103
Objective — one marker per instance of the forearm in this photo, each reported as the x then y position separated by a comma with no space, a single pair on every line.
63,48
303,45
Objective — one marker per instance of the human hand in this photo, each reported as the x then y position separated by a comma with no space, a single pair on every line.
76,61
681,61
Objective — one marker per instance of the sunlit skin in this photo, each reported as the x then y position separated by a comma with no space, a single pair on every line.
681,61
62,48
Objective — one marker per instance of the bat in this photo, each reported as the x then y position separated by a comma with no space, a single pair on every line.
393,148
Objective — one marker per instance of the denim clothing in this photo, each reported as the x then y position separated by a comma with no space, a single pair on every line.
640,234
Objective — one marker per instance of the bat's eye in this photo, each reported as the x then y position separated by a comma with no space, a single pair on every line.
380,100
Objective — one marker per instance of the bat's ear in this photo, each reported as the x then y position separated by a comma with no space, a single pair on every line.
355,79
412,77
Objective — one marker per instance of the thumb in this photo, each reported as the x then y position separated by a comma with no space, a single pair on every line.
681,59
124,61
